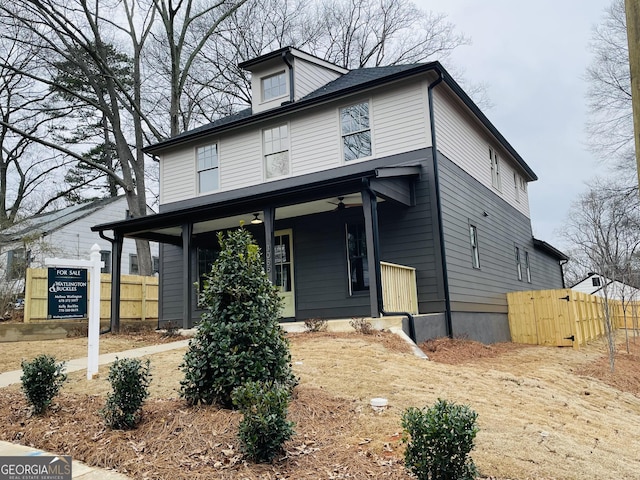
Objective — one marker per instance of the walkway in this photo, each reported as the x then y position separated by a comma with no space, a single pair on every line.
79,470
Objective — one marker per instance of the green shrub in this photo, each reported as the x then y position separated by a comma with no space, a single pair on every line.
129,378
439,440
239,339
41,381
264,428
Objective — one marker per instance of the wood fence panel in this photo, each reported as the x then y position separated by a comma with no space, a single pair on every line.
138,295
562,317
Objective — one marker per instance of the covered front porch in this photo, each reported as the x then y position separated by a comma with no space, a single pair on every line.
320,236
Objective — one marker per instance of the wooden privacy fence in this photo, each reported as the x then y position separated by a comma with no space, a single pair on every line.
138,296
563,318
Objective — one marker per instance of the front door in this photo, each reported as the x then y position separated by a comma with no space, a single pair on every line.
283,255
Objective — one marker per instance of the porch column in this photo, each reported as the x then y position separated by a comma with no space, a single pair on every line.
269,214
116,276
187,232
370,209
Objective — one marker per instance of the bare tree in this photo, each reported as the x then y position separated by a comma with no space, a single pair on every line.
604,228
610,125
24,166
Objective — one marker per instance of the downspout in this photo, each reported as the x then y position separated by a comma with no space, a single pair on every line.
286,58
376,260
562,263
436,181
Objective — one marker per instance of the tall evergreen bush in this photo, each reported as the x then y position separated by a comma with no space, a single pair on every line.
239,339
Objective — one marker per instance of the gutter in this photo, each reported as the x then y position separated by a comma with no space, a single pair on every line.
436,181
376,260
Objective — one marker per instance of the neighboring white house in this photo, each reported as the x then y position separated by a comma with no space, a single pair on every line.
64,233
595,284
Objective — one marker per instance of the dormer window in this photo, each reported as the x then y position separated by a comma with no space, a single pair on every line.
274,86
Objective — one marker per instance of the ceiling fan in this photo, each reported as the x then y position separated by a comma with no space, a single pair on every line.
341,205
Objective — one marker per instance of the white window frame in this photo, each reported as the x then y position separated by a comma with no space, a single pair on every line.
133,260
276,145
516,186
276,90
527,266
475,252
518,263
206,166
105,256
496,180
359,130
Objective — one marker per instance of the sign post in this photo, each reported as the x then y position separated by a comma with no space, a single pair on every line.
68,297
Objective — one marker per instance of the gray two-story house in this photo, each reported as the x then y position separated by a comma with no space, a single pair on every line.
353,182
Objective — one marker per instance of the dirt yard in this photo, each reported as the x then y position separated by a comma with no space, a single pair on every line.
544,413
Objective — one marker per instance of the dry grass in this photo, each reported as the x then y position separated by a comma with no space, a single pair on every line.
543,414
12,353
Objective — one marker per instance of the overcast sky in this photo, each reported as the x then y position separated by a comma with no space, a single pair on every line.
532,56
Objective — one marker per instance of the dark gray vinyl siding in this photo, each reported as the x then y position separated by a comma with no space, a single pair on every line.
463,202
171,284
321,273
407,238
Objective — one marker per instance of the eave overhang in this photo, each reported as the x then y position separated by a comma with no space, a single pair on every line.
550,249
277,194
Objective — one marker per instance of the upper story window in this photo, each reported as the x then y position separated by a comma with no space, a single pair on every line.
516,187
356,134
523,184
274,86
496,181
276,151
208,174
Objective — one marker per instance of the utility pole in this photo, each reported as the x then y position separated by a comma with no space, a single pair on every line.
632,11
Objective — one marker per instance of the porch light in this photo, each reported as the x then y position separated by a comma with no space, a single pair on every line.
256,219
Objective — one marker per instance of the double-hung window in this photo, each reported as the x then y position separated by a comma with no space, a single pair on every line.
17,263
357,257
496,181
105,256
356,132
518,264
274,86
475,253
208,168
276,151
527,266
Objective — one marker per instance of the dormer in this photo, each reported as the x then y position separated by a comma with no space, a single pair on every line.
287,75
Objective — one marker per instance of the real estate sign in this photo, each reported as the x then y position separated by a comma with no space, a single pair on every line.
67,297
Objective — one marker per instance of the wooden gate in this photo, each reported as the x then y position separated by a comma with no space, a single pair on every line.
562,318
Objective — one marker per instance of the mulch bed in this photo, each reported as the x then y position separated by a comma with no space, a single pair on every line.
175,441
455,351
